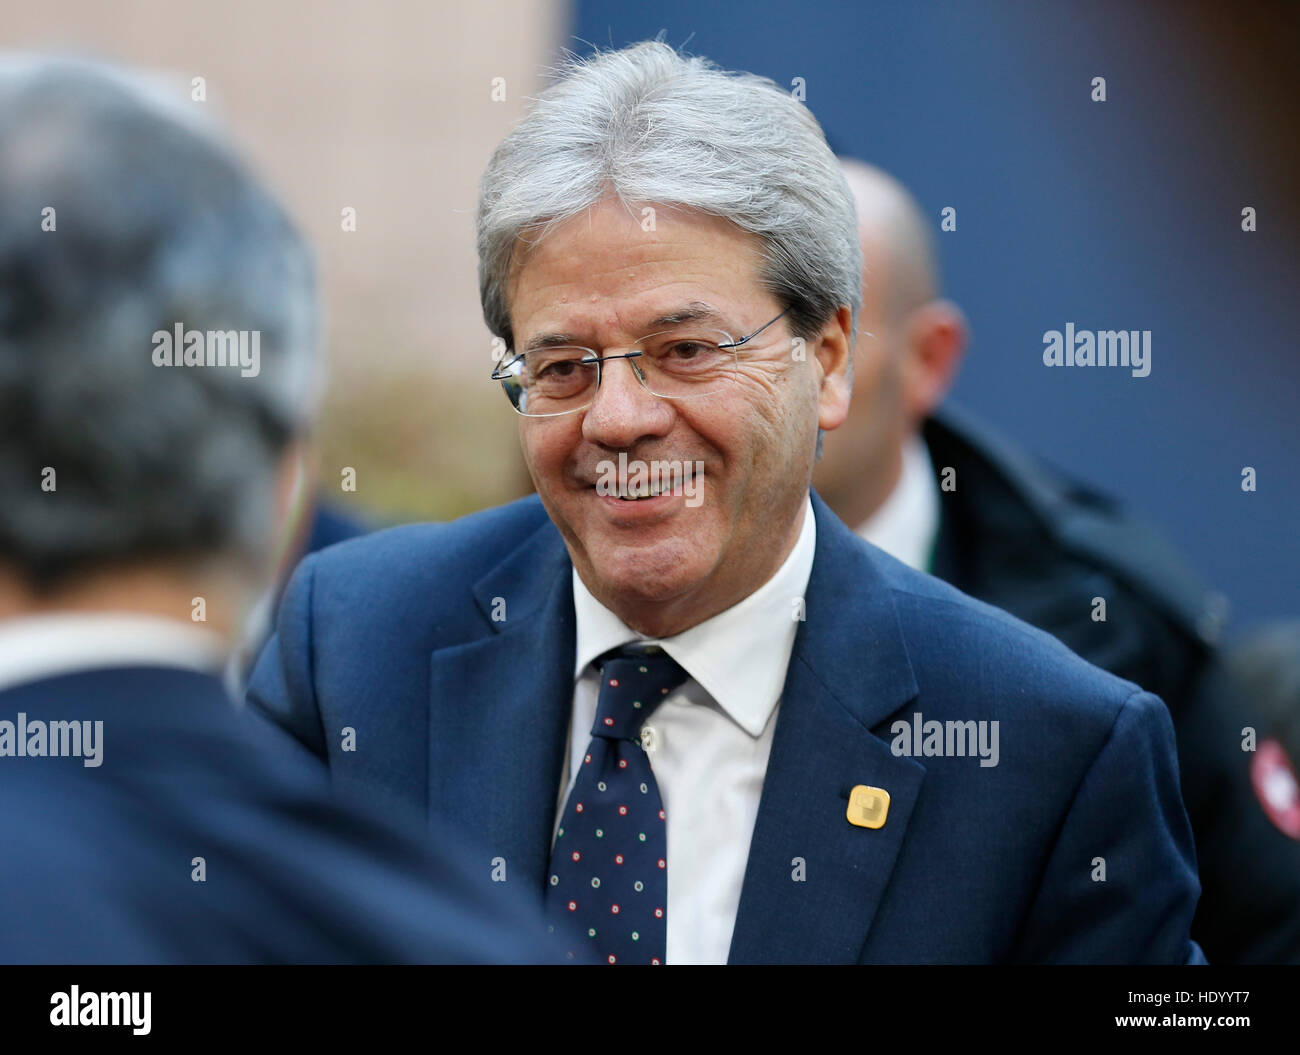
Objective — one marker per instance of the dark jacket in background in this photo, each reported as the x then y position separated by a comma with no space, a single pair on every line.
1028,540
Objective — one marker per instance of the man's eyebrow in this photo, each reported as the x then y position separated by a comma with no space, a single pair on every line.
695,311
549,340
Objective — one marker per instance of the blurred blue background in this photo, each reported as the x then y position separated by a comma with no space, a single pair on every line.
1117,215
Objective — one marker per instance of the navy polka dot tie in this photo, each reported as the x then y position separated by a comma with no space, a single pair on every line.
608,882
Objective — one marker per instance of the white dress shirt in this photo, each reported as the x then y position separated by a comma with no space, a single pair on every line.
42,646
711,740
907,524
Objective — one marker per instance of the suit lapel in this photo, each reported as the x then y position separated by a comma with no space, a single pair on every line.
848,673
499,710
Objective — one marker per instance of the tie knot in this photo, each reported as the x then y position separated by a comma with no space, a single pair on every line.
632,685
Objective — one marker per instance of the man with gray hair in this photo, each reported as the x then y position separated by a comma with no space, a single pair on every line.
677,697
157,337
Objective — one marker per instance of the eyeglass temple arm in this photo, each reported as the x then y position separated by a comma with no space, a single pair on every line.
737,344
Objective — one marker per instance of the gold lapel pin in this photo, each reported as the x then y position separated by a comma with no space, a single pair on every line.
868,806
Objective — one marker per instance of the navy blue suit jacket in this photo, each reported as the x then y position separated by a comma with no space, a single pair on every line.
98,862
465,715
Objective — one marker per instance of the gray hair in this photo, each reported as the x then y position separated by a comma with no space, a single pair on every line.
650,125
154,224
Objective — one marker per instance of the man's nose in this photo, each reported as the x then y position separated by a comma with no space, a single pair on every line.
624,410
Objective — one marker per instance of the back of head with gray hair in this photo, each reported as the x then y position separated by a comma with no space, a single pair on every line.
118,219
652,126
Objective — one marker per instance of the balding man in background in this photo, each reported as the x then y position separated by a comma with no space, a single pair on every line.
946,496
143,481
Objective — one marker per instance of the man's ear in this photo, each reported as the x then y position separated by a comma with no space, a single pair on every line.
295,479
835,362
936,337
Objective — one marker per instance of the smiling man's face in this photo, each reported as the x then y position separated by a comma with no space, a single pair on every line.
666,563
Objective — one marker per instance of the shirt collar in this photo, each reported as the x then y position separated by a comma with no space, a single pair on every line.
739,656
906,525
35,647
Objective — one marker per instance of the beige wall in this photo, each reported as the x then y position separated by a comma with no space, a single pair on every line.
384,106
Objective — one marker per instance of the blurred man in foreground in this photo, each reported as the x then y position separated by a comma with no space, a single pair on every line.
1011,532
145,468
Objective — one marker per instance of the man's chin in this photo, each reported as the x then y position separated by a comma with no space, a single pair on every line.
653,574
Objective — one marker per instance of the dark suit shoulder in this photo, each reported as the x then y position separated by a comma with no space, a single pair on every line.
194,840
420,564
984,646
468,546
